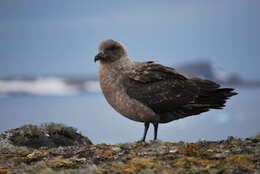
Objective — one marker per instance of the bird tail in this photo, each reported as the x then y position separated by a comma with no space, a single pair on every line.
211,95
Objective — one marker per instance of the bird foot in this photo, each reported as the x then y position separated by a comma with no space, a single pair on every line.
140,141
155,141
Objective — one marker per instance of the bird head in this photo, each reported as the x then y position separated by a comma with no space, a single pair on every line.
110,51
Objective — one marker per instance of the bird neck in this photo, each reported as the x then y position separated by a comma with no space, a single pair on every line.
124,63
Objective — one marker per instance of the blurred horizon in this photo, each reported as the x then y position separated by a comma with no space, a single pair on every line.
58,37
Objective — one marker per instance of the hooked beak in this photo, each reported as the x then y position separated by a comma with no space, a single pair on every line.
100,56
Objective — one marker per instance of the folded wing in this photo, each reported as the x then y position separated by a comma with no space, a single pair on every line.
167,92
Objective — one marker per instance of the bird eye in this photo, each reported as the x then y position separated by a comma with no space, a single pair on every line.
112,47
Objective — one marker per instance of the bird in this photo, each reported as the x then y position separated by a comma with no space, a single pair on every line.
151,93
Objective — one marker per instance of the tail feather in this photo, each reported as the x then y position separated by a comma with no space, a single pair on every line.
211,96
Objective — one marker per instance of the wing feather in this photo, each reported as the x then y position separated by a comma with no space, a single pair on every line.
160,88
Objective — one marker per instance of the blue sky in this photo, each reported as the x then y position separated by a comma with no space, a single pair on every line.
61,37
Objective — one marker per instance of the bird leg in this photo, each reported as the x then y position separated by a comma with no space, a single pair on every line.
155,125
146,127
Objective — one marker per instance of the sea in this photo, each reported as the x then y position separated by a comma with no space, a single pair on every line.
91,115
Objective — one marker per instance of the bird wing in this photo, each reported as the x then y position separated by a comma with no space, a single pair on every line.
159,87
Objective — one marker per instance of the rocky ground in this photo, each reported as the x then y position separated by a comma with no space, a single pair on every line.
59,149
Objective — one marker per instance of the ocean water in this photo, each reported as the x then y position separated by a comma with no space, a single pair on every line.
94,117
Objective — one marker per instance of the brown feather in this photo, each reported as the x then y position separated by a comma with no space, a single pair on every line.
167,92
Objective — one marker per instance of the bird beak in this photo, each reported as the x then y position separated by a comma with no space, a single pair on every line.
100,56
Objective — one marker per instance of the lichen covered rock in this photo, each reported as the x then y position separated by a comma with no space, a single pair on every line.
206,157
46,135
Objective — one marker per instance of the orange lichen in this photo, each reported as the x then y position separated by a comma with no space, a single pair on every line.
23,152
240,160
4,170
104,153
60,162
236,156
191,150
189,162
136,165
38,154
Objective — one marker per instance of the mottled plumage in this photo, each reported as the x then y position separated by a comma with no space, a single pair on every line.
153,93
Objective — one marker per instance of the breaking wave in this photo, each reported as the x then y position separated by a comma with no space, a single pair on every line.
49,86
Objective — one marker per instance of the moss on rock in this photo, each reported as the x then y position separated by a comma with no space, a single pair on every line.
229,156
47,135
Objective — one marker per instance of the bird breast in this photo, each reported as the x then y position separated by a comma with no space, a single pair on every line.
111,83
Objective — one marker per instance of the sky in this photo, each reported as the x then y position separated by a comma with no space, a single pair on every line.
61,37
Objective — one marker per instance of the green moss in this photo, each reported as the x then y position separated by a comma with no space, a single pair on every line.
47,135
205,157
